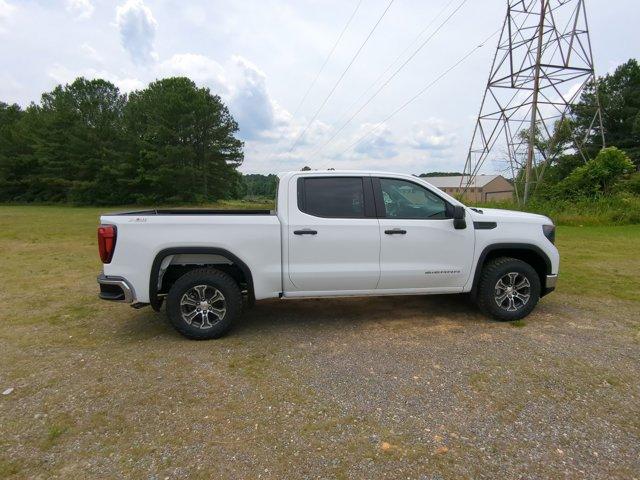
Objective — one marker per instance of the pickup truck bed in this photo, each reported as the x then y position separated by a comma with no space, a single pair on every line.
194,211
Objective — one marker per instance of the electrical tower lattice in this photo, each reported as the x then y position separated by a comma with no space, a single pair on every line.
542,65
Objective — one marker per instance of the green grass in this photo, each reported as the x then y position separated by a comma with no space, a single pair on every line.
53,432
600,262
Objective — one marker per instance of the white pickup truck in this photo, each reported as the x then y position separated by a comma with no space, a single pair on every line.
332,234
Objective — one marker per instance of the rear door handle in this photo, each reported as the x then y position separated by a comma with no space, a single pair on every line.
396,231
306,231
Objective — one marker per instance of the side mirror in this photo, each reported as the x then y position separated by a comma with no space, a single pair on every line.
459,223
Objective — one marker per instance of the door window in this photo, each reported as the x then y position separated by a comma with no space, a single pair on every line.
407,200
341,197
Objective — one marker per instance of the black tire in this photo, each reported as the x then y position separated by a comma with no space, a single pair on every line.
187,288
490,293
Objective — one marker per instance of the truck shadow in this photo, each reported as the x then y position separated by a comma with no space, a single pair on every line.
276,317
285,314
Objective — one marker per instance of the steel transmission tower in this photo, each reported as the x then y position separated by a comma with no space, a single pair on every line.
542,65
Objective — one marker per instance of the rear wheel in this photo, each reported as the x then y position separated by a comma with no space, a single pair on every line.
203,303
509,289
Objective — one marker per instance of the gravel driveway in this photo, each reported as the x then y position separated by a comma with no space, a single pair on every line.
397,387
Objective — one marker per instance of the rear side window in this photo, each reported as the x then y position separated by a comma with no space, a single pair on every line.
341,197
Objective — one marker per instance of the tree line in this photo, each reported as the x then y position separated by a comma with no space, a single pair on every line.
173,142
87,143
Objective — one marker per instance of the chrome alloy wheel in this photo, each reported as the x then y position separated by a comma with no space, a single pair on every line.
512,291
203,306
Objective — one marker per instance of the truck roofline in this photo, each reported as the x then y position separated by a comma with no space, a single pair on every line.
284,177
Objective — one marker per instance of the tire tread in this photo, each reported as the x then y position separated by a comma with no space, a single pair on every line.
486,286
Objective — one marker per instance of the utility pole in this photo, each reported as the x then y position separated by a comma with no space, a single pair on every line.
542,64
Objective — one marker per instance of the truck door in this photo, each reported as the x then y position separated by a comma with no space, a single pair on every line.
420,248
333,234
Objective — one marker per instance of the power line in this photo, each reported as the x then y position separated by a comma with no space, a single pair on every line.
375,94
335,86
420,92
326,60
417,37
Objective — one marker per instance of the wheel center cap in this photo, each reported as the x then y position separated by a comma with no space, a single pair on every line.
204,305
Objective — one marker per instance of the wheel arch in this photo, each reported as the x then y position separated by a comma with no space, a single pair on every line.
531,254
233,260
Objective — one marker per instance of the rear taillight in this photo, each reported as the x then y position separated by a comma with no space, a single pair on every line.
106,242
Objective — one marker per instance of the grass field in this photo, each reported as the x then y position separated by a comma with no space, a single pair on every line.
348,388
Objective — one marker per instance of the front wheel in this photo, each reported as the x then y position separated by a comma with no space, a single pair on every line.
203,303
509,289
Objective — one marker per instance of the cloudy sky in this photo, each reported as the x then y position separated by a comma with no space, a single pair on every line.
261,57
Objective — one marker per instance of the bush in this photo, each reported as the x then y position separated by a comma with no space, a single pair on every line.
630,185
596,177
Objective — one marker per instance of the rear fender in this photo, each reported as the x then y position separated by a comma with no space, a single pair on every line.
164,258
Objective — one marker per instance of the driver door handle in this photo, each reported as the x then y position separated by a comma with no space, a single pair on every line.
306,231
396,231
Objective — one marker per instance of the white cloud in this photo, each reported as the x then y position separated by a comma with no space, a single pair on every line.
431,134
428,146
91,53
194,14
241,84
251,104
200,69
267,128
377,144
63,75
10,88
137,28
260,117
243,87
6,12
127,85
6,9
82,9
317,133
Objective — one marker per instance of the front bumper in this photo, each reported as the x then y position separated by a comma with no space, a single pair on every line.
549,284
116,289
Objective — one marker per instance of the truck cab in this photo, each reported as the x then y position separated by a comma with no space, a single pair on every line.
337,233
